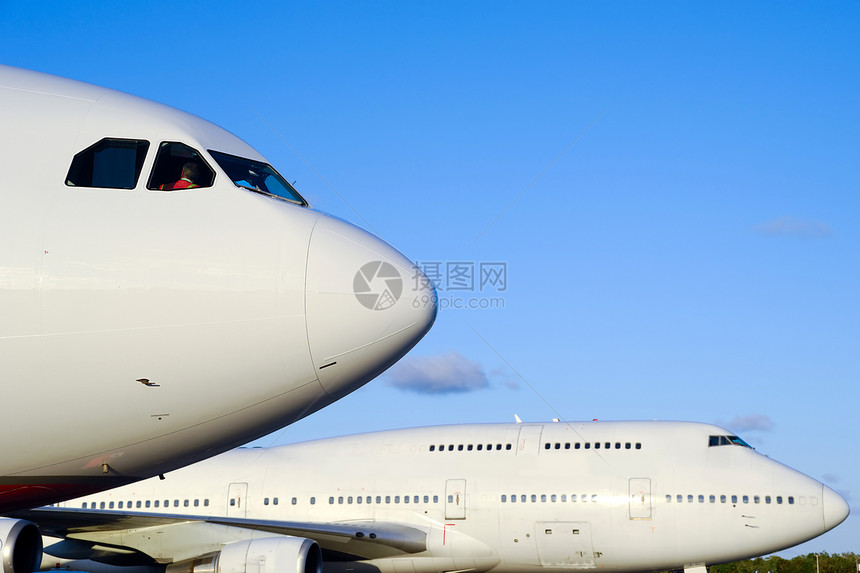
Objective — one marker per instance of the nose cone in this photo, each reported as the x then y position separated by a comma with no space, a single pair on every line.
835,508
366,305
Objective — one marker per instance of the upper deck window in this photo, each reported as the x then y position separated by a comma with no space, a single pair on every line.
727,441
178,166
257,176
109,163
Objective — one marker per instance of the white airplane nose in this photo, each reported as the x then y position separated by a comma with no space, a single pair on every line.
835,508
366,305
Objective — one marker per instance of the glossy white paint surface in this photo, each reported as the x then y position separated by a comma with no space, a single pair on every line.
226,301
626,515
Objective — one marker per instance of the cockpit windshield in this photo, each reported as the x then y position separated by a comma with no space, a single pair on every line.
727,441
257,176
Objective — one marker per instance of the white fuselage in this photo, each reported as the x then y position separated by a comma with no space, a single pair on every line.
617,496
145,329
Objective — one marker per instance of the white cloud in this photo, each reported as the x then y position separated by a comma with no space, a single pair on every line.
441,374
789,226
756,422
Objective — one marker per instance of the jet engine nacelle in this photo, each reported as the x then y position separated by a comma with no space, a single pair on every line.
266,555
20,546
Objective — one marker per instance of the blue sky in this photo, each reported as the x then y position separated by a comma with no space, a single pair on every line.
672,188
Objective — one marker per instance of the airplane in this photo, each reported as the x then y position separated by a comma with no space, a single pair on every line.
166,294
506,498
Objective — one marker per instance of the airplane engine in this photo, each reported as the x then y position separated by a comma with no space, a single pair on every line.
266,555
20,546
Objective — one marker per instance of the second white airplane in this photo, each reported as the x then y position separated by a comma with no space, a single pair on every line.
507,498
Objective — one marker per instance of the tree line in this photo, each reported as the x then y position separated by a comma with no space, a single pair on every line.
827,563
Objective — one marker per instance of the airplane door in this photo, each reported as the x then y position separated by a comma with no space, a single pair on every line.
237,502
529,440
640,498
455,499
565,544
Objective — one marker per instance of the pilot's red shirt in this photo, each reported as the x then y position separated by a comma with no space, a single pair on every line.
183,184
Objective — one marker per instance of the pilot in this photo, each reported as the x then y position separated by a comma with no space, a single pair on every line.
187,180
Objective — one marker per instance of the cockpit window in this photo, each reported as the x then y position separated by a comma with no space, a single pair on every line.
727,441
109,163
178,166
257,176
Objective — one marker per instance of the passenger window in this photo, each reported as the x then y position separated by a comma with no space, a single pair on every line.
313,501
110,163
178,166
